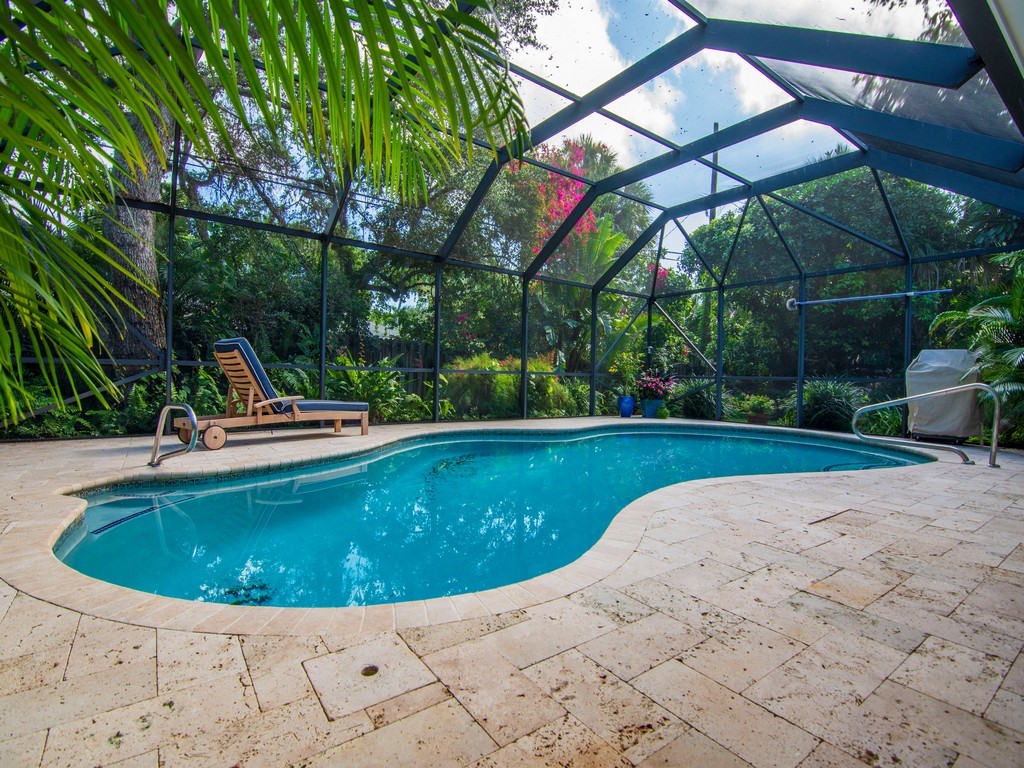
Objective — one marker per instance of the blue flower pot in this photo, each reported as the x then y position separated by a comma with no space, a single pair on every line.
650,408
626,405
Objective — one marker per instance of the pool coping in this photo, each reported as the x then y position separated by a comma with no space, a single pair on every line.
27,561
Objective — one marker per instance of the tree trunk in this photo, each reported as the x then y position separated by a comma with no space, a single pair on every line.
132,232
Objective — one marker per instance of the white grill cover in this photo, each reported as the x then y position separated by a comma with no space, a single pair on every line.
950,415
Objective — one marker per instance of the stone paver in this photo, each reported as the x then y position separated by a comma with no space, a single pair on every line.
741,655
353,679
501,698
812,621
618,713
745,728
952,673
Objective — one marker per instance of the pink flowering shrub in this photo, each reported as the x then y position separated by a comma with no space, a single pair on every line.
652,386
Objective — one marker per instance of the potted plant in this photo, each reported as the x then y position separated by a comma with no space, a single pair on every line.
757,408
653,388
626,368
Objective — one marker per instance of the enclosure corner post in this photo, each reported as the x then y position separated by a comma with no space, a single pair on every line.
324,252
523,388
594,296
719,359
438,290
801,370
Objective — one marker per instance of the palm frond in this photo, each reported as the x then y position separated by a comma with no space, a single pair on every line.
91,87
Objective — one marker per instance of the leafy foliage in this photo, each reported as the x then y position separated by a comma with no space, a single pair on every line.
90,92
383,390
693,399
995,330
828,404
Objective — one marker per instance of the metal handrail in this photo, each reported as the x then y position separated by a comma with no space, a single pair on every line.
154,460
993,450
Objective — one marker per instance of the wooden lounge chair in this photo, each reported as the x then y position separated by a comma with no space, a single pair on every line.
253,401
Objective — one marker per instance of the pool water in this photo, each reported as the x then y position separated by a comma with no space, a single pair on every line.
432,517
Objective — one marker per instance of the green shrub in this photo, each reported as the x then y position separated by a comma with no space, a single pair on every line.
888,421
295,381
693,399
484,395
828,404
384,391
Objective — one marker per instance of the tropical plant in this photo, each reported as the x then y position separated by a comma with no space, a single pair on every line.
887,421
91,91
995,329
829,404
693,399
383,390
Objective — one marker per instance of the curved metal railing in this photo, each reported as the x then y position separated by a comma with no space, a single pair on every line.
154,460
993,450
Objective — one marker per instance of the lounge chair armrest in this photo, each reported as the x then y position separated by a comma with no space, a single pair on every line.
285,399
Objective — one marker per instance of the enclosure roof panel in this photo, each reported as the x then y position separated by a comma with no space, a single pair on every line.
775,92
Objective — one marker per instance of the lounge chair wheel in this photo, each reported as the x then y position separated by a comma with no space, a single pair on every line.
184,434
214,438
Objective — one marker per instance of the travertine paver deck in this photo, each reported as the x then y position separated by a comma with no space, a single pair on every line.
821,621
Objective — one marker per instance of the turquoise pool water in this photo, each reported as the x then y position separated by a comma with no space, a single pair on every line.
435,516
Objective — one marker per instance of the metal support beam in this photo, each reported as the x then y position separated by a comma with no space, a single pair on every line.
945,66
696,251
988,27
782,238
801,360
837,225
893,218
645,237
594,298
817,170
614,344
686,337
650,348
650,66
325,252
438,295
720,354
1005,193
734,134
969,146
523,383
664,58
469,210
735,241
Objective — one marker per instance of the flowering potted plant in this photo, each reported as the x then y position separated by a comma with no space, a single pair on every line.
652,389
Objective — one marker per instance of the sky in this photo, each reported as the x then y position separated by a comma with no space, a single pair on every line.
588,41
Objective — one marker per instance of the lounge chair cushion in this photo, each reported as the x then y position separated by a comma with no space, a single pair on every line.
326,405
242,346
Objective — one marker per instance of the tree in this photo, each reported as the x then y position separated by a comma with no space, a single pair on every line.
359,80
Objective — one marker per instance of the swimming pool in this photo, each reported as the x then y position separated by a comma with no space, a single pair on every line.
429,517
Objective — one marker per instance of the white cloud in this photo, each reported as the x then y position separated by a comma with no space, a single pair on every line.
755,93
859,17
580,55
